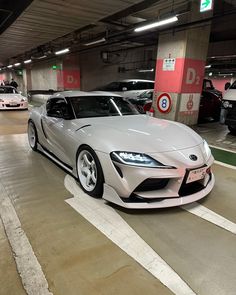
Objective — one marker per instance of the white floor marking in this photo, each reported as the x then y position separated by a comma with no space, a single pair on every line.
223,149
112,225
225,165
210,216
27,264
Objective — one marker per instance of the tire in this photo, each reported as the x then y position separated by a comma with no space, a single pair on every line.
89,171
232,129
32,136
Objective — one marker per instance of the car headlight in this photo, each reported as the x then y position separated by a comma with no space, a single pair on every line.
23,99
207,149
1,100
136,159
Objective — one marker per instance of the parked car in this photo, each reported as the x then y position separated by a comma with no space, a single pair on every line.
229,107
11,99
143,102
210,103
130,88
130,159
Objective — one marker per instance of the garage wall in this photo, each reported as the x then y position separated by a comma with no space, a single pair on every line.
119,65
43,76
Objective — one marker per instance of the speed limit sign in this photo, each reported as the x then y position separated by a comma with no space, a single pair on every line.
164,103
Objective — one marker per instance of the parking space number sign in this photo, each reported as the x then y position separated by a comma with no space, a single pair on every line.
164,103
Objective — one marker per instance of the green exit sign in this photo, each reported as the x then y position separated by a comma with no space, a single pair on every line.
206,5
55,67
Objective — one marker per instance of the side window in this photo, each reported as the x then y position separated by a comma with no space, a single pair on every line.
57,107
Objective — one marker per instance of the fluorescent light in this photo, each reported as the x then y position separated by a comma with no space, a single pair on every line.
95,42
145,71
157,24
27,61
208,66
62,51
17,64
41,57
10,66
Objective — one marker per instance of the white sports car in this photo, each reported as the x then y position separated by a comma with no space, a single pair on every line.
11,99
130,159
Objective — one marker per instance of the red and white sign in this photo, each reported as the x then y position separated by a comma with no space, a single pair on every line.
164,103
186,76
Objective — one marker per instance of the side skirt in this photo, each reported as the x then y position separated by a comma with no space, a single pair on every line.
55,159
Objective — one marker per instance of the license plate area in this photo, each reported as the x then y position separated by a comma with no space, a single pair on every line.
196,174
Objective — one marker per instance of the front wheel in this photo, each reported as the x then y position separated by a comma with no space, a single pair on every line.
32,135
89,170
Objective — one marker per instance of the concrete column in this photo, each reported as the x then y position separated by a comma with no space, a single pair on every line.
68,77
179,74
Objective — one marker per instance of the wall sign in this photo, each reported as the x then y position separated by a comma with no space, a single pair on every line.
164,103
206,5
168,64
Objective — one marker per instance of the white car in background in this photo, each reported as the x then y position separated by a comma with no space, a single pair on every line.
129,88
11,99
130,159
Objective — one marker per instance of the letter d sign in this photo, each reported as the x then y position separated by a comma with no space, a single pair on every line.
191,76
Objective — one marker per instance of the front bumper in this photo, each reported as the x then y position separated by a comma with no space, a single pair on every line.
134,187
15,106
111,196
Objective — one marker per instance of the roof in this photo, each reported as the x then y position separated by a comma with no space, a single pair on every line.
73,93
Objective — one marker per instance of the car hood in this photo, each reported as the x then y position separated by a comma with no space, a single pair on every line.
11,97
137,133
230,94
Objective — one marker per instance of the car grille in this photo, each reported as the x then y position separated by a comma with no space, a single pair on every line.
187,189
151,184
12,106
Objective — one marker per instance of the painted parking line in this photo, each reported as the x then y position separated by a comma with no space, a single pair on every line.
223,149
29,269
205,213
225,165
112,225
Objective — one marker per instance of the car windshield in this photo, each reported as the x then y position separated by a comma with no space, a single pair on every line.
233,86
146,94
101,106
8,90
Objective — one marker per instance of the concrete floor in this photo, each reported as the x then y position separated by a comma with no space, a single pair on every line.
77,258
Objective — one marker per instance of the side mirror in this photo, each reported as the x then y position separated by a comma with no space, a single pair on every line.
124,88
227,85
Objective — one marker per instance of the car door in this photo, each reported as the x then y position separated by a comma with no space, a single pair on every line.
56,129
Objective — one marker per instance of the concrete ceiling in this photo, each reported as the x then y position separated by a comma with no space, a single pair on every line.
42,25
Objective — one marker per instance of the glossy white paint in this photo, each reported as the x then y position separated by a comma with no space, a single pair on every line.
169,143
230,94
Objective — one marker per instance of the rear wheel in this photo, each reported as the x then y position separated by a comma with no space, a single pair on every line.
32,135
89,170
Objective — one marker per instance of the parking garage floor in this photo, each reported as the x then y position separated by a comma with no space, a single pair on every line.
86,246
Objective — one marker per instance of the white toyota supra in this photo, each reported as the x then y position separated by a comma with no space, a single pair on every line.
11,99
130,159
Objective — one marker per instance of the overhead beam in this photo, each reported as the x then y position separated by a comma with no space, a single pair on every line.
130,10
